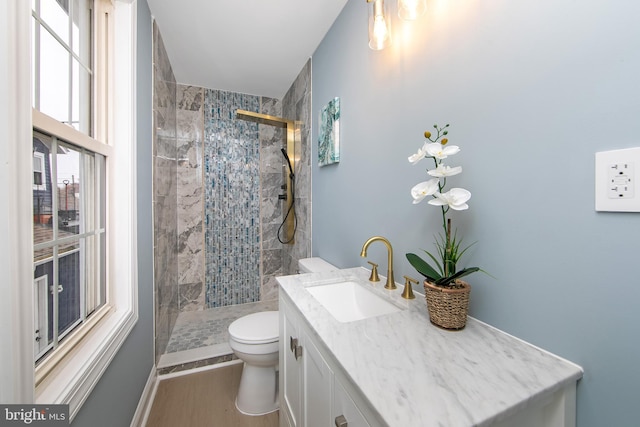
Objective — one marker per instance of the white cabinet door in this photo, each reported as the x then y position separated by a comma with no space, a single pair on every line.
310,394
345,412
317,390
290,369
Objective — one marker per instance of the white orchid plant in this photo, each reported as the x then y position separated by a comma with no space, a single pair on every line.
449,252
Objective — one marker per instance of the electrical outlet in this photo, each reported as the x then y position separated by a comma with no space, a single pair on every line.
621,180
616,180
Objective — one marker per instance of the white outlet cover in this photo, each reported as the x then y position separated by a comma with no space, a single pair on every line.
610,195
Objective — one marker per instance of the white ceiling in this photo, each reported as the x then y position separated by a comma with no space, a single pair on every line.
256,47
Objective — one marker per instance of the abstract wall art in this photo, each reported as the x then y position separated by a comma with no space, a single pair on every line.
329,133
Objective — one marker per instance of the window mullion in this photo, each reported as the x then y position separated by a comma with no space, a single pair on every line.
84,278
70,93
83,188
36,59
54,207
54,185
54,292
62,241
70,25
98,220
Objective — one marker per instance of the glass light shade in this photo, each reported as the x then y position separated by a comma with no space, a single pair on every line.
410,10
379,26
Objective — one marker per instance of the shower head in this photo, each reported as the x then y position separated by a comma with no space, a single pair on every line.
263,119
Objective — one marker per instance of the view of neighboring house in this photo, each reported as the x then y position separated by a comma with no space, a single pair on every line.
67,254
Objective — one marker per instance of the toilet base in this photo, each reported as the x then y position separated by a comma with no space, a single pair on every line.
258,392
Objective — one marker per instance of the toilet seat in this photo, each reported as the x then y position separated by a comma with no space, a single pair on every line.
256,328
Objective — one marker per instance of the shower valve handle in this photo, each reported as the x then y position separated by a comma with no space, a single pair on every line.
282,197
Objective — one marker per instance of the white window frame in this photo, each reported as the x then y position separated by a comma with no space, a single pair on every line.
90,222
70,382
41,313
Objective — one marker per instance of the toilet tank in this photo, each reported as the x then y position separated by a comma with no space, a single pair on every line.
314,265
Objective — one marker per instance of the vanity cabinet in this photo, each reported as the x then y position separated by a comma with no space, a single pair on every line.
335,372
312,393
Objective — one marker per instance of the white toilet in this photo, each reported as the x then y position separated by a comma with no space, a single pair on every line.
254,340
314,265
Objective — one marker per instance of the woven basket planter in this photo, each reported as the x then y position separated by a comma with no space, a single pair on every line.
448,307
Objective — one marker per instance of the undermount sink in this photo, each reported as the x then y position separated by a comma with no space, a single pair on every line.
348,301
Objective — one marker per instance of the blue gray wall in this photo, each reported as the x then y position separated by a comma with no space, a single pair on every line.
532,89
114,399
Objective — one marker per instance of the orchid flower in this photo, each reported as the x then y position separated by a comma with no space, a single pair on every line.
415,158
443,171
439,151
441,266
424,189
456,199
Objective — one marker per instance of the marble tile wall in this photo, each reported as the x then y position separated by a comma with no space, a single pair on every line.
190,144
296,105
164,195
272,165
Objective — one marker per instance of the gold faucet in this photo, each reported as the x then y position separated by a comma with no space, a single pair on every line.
391,284
408,290
374,272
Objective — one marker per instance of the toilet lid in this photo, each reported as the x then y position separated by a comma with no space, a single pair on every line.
256,328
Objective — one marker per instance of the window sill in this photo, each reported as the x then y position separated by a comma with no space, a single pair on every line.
72,380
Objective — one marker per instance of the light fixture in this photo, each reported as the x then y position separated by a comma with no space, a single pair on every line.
410,10
379,25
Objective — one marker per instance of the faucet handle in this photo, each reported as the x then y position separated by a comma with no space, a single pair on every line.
374,272
408,290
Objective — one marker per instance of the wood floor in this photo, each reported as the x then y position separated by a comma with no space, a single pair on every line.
203,399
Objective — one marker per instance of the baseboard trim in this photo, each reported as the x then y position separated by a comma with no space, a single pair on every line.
198,369
146,400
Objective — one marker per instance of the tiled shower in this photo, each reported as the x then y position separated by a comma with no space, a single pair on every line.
216,207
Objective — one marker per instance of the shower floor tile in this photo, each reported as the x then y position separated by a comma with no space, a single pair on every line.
195,329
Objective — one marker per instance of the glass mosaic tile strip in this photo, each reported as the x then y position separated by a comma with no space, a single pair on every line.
232,202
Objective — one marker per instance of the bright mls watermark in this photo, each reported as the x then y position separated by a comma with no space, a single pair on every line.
34,415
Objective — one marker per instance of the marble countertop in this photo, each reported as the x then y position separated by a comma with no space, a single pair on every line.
416,374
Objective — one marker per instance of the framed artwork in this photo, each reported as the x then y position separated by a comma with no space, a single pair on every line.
329,133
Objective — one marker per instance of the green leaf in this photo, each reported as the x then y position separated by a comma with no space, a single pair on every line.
435,260
465,249
446,281
422,267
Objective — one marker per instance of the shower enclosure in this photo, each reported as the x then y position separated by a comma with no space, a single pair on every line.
220,197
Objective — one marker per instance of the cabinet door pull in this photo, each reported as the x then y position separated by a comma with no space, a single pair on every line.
341,421
298,351
293,343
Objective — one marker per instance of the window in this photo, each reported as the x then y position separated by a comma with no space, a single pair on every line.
38,171
62,61
80,213
69,190
69,240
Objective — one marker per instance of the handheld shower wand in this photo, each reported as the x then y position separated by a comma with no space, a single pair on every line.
291,203
286,156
